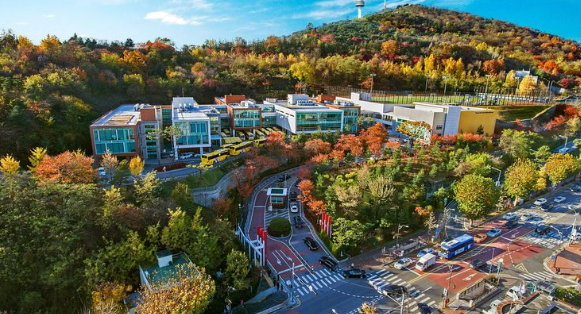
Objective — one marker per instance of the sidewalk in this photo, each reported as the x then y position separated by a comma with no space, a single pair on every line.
567,263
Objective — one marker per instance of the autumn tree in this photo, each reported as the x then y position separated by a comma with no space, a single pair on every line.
36,155
190,290
9,165
307,189
107,298
351,143
476,196
518,144
317,146
147,189
374,137
136,166
560,166
521,178
367,308
110,163
494,66
68,167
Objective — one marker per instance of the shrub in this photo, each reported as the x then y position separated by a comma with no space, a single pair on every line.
569,295
279,227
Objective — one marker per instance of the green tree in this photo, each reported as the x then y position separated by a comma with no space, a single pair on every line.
193,236
542,154
476,196
182,196
560,167
237,270
518,144
110,164
521,178
347,233
147,189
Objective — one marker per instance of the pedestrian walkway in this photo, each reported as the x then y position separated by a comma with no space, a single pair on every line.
547,241
270,215
537,276
383,278
316,280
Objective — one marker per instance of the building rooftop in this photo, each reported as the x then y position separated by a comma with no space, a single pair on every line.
307,106
159,275
124,115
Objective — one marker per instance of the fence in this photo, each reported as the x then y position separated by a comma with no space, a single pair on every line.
479,97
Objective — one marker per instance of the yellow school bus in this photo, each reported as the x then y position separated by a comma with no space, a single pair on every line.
259,142
215,156
240,148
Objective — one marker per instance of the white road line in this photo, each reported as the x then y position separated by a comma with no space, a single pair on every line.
337,277
420,296
424,300
318,284
300,292
308,277
397,281
327,281
388,276
432,303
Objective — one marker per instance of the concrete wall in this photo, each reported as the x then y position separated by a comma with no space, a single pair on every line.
286,118
412,114
452,120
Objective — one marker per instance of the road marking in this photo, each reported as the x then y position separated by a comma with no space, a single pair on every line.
413,271
426,289
469,277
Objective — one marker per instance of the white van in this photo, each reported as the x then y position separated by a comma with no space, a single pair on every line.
426,261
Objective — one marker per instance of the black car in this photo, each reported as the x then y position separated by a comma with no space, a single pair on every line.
312,244
546,207
542,229
477,264
424,308
354,273
293,196
299,223
394,290
510,224
328,262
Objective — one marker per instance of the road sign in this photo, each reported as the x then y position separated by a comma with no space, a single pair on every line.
445,292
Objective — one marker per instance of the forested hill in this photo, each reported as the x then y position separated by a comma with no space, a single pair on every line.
52,90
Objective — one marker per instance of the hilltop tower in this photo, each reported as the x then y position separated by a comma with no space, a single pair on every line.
359,4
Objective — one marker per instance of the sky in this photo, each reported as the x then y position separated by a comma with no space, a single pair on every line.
194,21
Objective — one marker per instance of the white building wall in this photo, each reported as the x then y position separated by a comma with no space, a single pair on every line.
286,118
294,98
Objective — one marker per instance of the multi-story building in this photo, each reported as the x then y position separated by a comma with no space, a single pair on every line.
194,126
302,115
118,132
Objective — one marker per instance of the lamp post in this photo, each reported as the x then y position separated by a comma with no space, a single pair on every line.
447,291
486,90
397,235
445,84
566,139
427,79
499,266
372,75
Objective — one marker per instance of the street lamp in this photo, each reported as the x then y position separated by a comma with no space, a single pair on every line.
372,75
397,235
499,266
566,139
445,84
486,90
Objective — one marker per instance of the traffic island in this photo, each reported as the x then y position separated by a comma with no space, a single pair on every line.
279,228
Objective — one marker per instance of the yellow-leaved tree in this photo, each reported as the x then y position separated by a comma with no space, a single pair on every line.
9,165
136,166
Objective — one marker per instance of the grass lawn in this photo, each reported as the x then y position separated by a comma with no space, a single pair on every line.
206,179
511,113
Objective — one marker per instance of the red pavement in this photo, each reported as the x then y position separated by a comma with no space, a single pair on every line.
280,256
568,262
507,246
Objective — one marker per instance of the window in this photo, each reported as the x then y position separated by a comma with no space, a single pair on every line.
116,140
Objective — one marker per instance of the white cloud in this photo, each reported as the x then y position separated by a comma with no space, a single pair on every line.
258,11
169,18
334,3
22,23
49,16
194,4
324,14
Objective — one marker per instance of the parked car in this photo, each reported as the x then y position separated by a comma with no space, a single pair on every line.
477,264
329,263
493,307
494,232
403,263
425,251
540,201
545,287
424,308
509,216
293,196
426,261
312,244
546,207
481,237
102,172
299,223
525,216
560,199
186,155
354,273
510,224
542,229
294,208
514,292
393,290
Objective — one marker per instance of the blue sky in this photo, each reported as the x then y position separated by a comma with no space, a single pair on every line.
194,21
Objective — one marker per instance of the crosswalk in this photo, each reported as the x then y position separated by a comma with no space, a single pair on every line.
541,276
316,280
270,215
549,242
383,278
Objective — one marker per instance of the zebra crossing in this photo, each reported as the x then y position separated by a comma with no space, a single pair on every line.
383,278
316,280
540,276
549,241
270,215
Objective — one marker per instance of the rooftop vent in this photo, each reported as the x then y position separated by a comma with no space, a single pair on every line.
164,258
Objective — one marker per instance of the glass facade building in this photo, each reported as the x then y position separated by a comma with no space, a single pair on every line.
315,121
243,118
116,140
193,133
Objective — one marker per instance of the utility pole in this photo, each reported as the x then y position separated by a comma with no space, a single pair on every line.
445,86
372,75
486,90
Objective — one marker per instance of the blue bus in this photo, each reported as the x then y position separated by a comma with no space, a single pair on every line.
456,246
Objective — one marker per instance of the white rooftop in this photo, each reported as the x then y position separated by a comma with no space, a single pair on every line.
124,115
